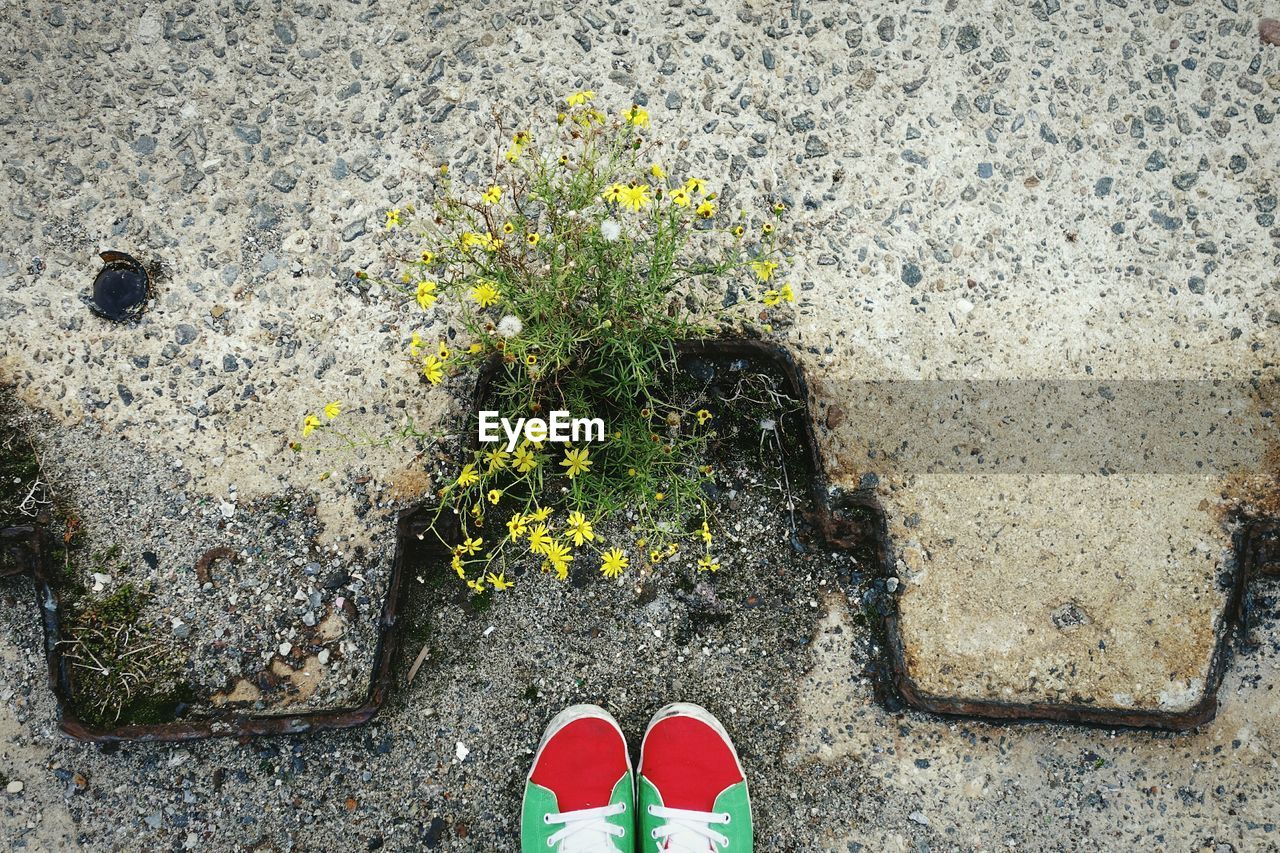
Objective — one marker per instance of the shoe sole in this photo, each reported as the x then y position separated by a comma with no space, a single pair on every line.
697,712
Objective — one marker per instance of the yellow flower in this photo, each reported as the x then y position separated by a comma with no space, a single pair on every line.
415,344
613,194
522,137
332,410
457,567
471,546
539,539
525,460
477,586
696,185
635,197
444,168
657,496
499,581
705,532
559,558
612,563
637,116
738,230
680,197
442,351
493,195
426,294
494,496
475,348
469,239
706,209
496,460
531,359
579,529
767,228
508,228
657,171
763,269
540,514
771,298
512,154
576,462
486,294
786,293
393,217
577,99
703,416
309,423
517,526
706,564
779,209
532,239
433,369
468,475
428,256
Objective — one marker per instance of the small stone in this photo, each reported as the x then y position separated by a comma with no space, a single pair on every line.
911,275
144,145
283,181
918,817
1269,31
1102,188
285,648
984,170
323,656
1155,162
185,333
217,312
15,787
352,230
967,38
1186,180
884,29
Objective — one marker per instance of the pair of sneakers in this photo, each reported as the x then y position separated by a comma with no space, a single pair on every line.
581,796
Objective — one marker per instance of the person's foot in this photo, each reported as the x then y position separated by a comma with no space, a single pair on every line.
580,797
692,792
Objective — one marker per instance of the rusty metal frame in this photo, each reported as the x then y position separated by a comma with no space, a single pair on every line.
1257,547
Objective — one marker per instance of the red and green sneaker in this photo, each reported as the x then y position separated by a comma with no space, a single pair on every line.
693,795
580,797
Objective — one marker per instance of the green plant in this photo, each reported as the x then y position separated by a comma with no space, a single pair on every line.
575,269
123,669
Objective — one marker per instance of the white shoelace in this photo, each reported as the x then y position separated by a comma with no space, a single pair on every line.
587,830
688,831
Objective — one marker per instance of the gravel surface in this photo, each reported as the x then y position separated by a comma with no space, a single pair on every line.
1030,190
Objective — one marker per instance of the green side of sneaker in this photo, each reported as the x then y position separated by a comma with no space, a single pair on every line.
734,801
540,802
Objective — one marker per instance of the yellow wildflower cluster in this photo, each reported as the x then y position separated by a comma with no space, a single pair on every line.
516,257
311,422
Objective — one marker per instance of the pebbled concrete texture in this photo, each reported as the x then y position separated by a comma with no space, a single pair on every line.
1023,191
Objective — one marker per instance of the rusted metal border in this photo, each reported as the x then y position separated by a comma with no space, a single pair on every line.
1248,545
226,723
1256,545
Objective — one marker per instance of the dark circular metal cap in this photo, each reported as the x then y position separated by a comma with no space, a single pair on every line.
121,289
